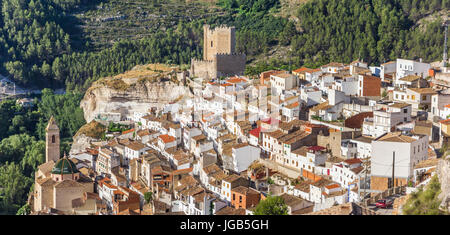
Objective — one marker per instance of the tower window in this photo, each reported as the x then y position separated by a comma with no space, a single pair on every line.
53,138
211,43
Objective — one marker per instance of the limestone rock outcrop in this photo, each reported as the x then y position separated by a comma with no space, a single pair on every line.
139,89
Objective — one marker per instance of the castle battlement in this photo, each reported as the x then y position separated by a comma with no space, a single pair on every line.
219,56
231,54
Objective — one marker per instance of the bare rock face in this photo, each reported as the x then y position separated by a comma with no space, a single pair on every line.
443,171
80,143
137,90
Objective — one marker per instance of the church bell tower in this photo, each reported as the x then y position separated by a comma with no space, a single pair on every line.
52,151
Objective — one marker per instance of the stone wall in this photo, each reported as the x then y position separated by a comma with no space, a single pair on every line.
230,64
220,40
63,197
203,68
443,172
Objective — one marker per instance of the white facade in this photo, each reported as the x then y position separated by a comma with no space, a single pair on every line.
407,154
411,67
244,156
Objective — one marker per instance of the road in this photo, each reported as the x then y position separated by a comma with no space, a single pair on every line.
386,211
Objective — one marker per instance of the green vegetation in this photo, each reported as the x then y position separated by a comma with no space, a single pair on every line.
22,142
272,205
148,196
373,30
93,129
425,202
44,49
117,127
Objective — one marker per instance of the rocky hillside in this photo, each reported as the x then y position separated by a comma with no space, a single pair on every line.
139,89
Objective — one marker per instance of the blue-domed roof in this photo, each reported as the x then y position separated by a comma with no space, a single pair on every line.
64,166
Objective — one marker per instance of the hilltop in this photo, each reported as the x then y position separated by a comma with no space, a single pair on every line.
139,89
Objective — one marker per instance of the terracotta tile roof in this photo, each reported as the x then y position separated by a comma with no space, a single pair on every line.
235,80
291,200
303,186
333,64
67,184
167,138
255,132
357,169
316,148
426,91
332,186
345,209
231,178
135,145
399,105
353,161
322,106
302,69
128,131
293,105
446,122
396,137
410,78
427,163
301,151
231,211
244,190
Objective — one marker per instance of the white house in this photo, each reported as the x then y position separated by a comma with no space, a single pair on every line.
402,151
166,141
385,119
347,172
411,67
281,82
133,150
439,102
243,155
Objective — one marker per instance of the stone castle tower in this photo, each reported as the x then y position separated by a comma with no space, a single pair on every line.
221,40
52,151
219,56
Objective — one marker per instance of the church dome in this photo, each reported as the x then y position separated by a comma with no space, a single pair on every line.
64,166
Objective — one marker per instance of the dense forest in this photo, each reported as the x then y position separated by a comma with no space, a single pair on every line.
373,30
22,142
39,50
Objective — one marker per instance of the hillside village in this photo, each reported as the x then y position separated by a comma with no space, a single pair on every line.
330,140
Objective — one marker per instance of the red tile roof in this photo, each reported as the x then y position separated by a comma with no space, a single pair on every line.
302,69
255,132
316,148
167,138
128,131
353,161
332,186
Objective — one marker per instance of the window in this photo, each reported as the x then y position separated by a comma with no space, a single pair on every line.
53,139
234,196
211,43
405,110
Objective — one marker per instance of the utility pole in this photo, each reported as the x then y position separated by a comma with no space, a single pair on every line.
393,167
444,58
365,177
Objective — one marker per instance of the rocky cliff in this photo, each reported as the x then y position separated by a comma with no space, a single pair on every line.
139,89
443,171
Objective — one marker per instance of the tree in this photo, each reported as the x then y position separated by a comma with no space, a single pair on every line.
272,205
425,202
15,187
148,196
